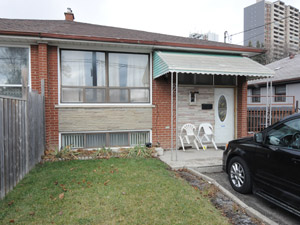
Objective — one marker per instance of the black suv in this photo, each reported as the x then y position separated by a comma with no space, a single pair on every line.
268,164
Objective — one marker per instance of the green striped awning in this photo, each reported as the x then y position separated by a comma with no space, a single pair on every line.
211,64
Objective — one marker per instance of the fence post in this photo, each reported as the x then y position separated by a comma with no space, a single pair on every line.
26,135
293,110
44,116
24,84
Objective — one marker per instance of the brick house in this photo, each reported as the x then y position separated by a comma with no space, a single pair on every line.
107,86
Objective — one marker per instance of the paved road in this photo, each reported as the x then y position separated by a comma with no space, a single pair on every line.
269,210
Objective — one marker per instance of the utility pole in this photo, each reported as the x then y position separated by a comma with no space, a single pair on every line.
225,36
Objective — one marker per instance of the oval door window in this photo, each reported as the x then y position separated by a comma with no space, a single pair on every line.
222,108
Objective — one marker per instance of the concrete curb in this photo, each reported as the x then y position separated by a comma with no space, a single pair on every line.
248,209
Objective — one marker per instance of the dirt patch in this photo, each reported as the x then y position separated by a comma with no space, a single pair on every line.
228,207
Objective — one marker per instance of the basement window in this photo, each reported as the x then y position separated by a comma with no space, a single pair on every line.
105,139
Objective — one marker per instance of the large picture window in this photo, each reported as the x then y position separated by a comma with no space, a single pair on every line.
14,63
103,77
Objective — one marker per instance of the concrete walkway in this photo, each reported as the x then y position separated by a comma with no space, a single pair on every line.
193,158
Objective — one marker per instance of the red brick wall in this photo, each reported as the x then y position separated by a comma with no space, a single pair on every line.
242,107
161,116
52,139
35,81
44,66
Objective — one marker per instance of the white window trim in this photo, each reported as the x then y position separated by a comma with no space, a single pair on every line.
29,64
60,104
105,131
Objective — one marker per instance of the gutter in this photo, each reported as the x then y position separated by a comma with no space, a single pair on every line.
276,82
195,47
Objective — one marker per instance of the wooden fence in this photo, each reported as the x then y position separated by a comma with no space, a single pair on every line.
261,116
22,138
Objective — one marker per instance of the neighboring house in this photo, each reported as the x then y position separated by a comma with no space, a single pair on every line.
108,86
285,84
281,98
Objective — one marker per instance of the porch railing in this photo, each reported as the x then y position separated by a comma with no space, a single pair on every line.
263,111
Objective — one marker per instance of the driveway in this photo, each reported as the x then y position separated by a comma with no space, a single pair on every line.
209,163
267,209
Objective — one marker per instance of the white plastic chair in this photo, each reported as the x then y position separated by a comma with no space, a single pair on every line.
206,134
188,130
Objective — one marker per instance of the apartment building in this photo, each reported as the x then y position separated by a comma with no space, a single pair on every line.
275,26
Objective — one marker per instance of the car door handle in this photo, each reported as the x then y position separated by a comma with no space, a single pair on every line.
296,160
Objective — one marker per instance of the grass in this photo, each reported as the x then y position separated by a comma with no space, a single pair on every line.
114,191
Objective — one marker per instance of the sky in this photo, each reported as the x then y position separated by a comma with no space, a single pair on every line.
174,17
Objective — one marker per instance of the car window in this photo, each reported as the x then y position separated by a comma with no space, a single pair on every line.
286,135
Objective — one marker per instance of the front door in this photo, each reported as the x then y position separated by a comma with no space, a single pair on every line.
224,115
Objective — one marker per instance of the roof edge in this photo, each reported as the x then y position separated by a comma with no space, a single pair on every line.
129,41
283,81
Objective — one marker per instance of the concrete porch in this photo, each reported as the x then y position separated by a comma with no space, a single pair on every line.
194,158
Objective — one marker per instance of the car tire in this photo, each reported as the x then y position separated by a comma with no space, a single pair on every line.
239,175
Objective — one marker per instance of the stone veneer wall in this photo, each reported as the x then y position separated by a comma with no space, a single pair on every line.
193,113
104,119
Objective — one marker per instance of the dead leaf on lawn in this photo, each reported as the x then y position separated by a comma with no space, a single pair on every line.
12,221
56,182
31,213
72,169
79,183
11,202
89,182
112,171
61,196
95,171
83,181
123,193
60,213
106,182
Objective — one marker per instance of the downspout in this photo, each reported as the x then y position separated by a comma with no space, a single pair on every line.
172,116
267,104
271,95
176,114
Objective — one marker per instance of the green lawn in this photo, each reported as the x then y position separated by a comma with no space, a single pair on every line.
114,191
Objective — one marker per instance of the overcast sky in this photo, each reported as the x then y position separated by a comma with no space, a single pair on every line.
175,17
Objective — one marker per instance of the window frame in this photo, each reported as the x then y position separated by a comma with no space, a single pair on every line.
29,86
285,134
256,97
106,87
278,97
